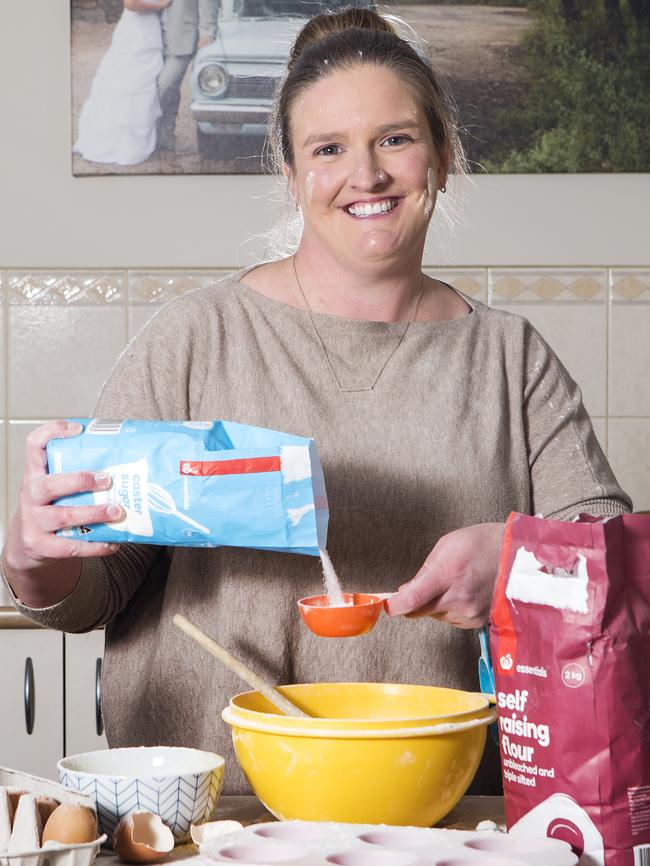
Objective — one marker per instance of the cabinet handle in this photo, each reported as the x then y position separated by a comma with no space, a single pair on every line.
99,721
29,695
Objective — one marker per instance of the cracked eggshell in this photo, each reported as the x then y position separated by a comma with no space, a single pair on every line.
487,827
204,833
142,837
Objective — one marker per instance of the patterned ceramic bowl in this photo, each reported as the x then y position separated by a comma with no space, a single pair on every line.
180,785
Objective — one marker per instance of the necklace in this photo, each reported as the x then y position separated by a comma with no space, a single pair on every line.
325,352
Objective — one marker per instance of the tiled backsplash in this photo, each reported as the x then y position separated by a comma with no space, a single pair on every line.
62,331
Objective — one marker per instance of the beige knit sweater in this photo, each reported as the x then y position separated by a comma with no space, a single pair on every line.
472,418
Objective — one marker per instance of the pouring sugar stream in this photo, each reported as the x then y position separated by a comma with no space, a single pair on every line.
340,614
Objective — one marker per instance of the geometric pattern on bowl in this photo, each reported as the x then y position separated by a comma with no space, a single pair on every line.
179,800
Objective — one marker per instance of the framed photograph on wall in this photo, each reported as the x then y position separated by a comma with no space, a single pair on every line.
186,86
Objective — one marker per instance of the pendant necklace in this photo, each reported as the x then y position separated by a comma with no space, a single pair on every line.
325,352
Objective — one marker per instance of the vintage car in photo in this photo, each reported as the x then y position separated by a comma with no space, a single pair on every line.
235,77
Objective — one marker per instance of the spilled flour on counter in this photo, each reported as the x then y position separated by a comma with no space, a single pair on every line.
331,582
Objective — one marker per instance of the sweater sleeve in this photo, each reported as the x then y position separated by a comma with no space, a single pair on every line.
208,17
158,376
569,474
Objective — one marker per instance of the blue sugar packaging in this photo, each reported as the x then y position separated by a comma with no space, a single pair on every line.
199,484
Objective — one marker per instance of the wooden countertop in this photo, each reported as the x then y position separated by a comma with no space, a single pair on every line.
249,810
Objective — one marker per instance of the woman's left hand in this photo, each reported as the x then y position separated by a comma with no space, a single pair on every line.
456,580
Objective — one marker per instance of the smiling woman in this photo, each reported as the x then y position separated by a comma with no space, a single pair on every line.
434,417
366,137
367,191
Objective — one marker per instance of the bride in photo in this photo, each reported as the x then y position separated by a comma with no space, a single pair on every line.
118,121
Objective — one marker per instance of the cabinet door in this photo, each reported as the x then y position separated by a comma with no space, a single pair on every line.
84,727
31,696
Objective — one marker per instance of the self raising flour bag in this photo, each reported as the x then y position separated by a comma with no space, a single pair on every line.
570,640
199,484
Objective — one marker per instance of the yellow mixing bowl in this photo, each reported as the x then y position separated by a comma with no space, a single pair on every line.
374,753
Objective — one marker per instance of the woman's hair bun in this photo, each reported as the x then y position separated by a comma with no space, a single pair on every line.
328,23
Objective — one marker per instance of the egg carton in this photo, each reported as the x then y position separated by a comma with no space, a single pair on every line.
306,843
53,854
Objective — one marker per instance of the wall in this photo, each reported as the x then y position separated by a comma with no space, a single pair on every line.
54,220
83,261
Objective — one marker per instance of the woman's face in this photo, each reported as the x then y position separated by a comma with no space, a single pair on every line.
366,173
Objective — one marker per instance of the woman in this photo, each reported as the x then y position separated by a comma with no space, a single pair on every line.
118,121
434,417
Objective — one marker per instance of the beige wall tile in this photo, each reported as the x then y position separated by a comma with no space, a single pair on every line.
568,308
60,356
149,290
470,281
3,474
16,435
65,287
65,330
139,316
5,598
629,342
630,284
558,285
3,347
629,455
600,429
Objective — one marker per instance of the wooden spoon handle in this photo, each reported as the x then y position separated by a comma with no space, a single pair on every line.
238,667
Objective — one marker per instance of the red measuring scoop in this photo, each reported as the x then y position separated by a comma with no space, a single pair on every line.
355,617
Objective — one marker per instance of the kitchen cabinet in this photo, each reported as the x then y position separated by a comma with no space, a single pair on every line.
84,728
31,702
50,693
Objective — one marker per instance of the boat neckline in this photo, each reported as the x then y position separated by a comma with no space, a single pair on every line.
238,276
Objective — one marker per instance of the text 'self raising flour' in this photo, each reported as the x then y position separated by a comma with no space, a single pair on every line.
570,640
199,484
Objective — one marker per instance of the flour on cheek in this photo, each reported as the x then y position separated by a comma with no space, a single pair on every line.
309,186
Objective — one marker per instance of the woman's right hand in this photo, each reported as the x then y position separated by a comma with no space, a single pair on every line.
33,551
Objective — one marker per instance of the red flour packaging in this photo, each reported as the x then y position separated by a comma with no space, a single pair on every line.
570,641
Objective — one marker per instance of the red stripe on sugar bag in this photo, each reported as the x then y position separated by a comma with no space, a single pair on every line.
230,467
570,642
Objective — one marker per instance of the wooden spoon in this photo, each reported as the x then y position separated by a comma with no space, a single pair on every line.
233,664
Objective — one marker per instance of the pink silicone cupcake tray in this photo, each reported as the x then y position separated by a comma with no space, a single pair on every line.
306,843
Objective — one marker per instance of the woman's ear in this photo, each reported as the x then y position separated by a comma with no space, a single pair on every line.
291,184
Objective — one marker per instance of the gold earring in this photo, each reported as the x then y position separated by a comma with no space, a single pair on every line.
443,188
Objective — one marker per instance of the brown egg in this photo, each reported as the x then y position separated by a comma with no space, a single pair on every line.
71,824
142,838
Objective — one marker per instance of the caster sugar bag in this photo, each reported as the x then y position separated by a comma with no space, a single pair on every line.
199,484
